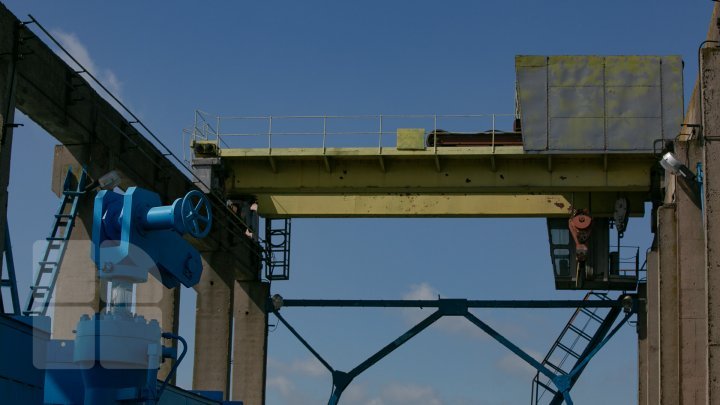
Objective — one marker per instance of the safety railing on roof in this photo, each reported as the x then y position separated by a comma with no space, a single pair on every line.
350,131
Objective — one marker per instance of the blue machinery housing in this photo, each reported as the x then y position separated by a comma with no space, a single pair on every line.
116,354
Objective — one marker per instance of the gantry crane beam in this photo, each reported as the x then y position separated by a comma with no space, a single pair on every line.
477,181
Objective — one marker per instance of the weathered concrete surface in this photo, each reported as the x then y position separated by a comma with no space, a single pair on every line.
250,346
668,293
78,291
653,330
711,165
642,346
692,292
692,115
697,309
213,323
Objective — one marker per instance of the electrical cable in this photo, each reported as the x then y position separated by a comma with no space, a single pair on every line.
168,335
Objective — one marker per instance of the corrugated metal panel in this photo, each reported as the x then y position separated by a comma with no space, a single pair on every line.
600,104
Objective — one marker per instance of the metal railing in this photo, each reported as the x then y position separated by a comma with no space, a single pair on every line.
628,261
329,131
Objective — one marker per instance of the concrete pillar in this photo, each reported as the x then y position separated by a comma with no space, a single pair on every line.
154,301
653,330
250,346
78,290
668,293
711,215
213,323
642,346
692,289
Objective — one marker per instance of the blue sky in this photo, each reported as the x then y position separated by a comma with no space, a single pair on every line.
282,57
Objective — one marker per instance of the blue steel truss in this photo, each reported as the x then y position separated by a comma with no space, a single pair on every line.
563,381
9,283
584,329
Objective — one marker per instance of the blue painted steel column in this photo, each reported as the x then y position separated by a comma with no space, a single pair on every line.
459,307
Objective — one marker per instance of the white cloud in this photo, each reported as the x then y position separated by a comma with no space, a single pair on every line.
511,364
283,388
422,291
310,367
356,393
461,327
79,51
451,324
456,325
288,380
393,393
307,367
281,384
397,393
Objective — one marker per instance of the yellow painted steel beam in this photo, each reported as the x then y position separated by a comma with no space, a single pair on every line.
462,181
462,170
439,205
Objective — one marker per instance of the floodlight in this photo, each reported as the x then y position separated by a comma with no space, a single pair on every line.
671,163
687,180
108,181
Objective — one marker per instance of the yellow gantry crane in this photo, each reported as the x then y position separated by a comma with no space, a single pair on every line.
586,137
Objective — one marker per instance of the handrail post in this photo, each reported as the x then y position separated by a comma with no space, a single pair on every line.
324,132
217,131
269,134
380,135
194,127
435,133
493,133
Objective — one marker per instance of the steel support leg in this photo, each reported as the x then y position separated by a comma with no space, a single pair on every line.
11,280
341,379
460,307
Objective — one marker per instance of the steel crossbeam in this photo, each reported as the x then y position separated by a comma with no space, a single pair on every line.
461,307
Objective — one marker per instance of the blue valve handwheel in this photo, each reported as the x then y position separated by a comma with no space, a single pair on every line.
196,214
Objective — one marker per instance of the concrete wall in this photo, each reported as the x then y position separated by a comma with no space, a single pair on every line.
710,81
684,319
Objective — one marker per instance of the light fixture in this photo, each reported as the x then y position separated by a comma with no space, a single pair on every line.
108,181
688,180
672,164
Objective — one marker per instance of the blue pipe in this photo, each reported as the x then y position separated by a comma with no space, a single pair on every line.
164,217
